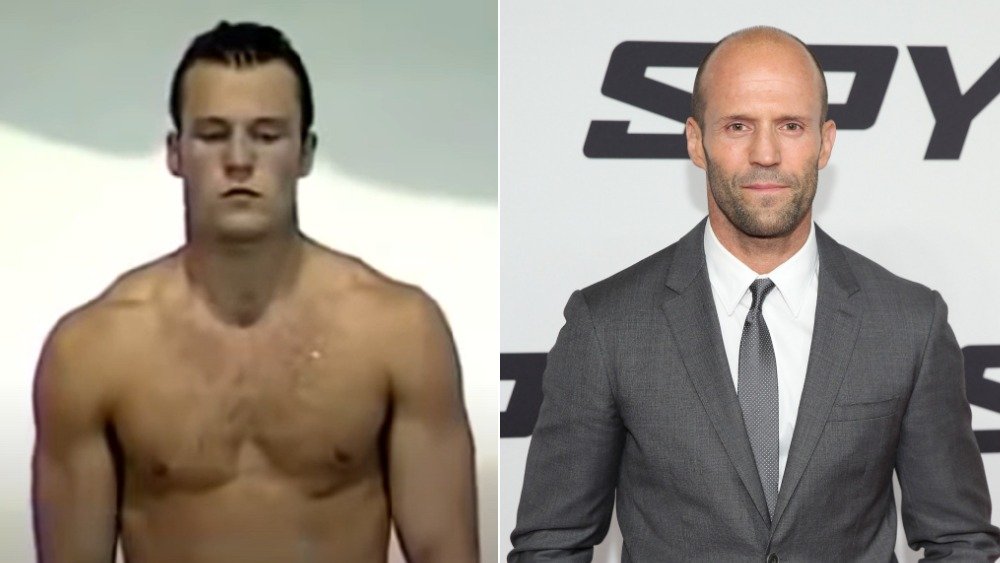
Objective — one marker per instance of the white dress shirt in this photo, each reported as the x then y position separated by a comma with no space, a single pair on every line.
789,311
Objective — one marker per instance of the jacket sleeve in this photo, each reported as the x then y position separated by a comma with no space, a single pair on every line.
946,502
572,466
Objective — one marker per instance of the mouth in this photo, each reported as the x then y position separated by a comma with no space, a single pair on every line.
240,191
764,187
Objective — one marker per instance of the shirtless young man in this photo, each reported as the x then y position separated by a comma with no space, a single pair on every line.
252,396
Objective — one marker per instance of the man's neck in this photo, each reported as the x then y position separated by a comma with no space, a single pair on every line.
760,254
239,280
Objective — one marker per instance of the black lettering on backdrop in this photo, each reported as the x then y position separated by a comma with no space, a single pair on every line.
522,411
872,65
953,111
526,371
983,392
626,81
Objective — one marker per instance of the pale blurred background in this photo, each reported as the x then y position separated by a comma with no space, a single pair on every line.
406,175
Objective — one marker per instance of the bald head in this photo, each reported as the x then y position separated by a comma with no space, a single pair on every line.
762,40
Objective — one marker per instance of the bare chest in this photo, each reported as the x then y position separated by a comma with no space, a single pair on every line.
198,413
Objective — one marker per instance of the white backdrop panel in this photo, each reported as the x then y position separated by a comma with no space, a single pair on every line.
568,220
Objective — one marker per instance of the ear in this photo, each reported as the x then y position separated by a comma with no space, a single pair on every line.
696,149
308,154
174,153
828,134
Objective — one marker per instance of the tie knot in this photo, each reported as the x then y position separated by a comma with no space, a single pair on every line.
759,290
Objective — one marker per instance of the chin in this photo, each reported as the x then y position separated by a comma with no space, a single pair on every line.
239,237
775,227
245,230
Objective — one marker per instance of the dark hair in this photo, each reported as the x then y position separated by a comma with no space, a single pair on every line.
242,44
697,96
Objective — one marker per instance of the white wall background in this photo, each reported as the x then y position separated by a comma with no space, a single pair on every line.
405,176
568,221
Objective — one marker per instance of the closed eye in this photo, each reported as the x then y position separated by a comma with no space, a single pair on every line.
212,136
267,136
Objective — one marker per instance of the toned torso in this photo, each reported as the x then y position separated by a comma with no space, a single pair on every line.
256,443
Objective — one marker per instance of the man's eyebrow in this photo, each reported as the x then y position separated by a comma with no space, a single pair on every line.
735,117
272,121
210,120
741,117
793,117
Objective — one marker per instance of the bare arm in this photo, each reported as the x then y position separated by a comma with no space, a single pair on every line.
73,479
431,466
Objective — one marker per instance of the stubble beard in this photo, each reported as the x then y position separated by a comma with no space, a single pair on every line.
772,218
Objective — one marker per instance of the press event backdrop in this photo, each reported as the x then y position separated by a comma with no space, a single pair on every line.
594,176
405,174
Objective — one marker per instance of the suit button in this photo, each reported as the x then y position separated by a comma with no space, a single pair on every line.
773,558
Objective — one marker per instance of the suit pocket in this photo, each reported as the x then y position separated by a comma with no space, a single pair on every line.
864,411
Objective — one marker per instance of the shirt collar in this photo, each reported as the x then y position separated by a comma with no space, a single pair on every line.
731,278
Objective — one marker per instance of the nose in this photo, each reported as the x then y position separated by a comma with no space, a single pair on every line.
239,158
765,150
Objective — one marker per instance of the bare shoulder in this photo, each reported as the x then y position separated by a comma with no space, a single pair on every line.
87,341
84,357
371,296
402,326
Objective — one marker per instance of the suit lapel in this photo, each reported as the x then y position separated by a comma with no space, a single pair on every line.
690,310
835,332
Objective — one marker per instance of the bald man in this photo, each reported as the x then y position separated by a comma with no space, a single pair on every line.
746,393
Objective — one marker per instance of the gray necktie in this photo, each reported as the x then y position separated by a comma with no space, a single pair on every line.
758,391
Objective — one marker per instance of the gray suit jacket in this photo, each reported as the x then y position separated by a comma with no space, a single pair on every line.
639,403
